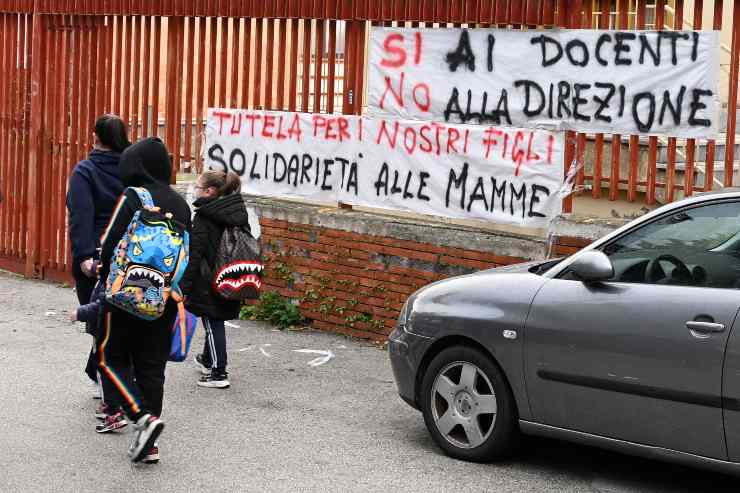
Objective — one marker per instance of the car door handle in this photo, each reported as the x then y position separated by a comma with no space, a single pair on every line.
704,326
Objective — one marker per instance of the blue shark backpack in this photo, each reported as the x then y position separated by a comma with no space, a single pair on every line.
148,262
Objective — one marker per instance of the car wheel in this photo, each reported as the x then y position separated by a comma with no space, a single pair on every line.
468,406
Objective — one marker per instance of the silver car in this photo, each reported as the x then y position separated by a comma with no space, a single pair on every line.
630,344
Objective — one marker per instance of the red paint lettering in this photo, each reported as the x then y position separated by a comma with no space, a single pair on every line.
417,52
343,126
424,139
422,88
489,139
452,136
531,156
280,134
295,128
221,115
236,124
252,118
268,125
384,130
550,143
398,96
318,121
389,45
517,154
330,134
409,147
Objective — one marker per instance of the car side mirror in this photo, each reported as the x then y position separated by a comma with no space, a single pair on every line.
592,266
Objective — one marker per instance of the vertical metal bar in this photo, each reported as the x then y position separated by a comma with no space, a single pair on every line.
136,46
331,79
259,102
318,65
117,68
234,93
306,76
108,70
4,165
269,66
710,153
651,170
57,261
177,151
212,62
293,87
101,57
200,91
90,88
360,67
616,138
282,60
246,84
732,98
16,202
157,68
170,85
670,179
146,76
223,52
126,68
46,143
21,156
189,93
33,221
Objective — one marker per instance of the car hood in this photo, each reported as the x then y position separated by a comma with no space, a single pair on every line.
501,295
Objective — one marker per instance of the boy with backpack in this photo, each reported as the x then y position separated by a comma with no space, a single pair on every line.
224,267
144,249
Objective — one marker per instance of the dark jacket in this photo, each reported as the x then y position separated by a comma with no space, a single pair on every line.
212,216
94,187
144,164
90,313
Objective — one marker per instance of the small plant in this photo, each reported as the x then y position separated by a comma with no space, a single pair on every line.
273,308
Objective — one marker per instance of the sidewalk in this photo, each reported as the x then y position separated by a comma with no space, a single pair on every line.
283,425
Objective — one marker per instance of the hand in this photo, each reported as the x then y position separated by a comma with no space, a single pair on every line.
73,315
88,267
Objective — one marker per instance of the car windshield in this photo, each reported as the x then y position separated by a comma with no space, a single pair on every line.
712,229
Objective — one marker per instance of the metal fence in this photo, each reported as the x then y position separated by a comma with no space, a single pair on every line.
161,64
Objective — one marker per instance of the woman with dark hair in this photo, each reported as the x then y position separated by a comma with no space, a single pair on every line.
94,187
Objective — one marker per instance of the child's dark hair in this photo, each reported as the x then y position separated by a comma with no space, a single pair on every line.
112,132
224,183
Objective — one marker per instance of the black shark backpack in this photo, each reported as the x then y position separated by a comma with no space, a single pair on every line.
237,271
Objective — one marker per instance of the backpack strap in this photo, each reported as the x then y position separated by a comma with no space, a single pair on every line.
144,196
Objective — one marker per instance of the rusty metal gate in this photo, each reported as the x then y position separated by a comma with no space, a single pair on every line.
161,64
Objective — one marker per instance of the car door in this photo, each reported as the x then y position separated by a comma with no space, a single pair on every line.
639,357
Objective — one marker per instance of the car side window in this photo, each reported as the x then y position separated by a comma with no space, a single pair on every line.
697,246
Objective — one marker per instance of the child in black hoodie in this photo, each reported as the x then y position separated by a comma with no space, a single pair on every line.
130,344
218,204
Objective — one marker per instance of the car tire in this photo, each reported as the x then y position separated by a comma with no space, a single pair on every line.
468,406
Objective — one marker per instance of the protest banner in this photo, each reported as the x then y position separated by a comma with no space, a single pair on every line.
497,174
622,82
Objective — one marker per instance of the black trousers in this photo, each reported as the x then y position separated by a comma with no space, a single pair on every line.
135,349
84,286
214,350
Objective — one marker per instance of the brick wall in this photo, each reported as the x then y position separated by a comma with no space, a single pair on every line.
355,283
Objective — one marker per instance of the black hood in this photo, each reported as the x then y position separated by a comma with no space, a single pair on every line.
228,210
146,163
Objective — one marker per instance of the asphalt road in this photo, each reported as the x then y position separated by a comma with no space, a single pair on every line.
283,425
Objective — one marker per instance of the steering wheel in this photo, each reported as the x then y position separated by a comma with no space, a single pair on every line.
653,270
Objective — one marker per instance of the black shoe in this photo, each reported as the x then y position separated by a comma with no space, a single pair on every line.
201,362
215,381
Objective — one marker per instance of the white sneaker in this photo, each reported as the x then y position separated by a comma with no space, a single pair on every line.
147,430
214,381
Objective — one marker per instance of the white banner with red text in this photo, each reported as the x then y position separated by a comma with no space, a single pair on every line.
503,175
